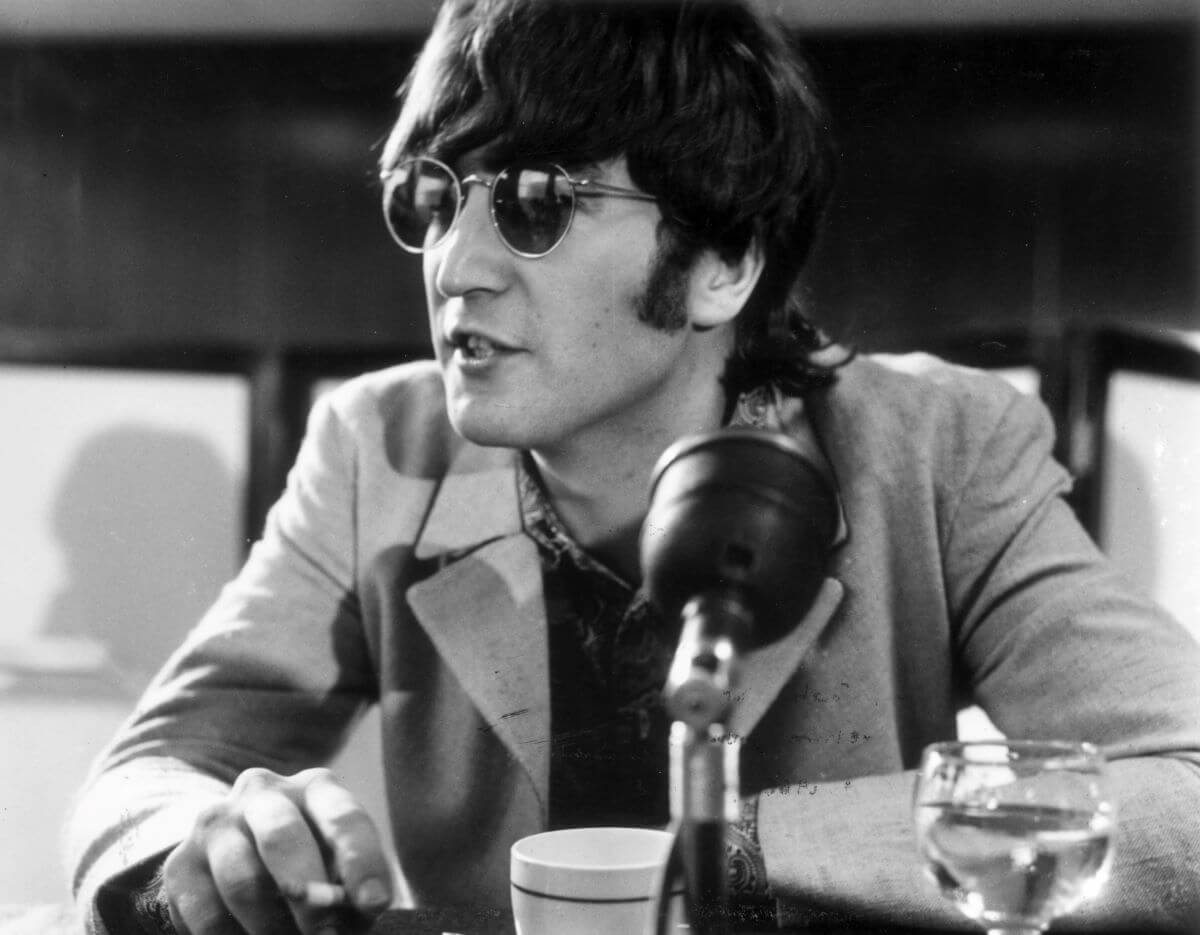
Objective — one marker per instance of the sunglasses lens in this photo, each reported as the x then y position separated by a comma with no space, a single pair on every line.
532,206
419,203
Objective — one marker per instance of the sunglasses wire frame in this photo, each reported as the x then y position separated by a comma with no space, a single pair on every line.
578,188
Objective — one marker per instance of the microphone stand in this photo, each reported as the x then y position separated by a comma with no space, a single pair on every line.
703,760
734,543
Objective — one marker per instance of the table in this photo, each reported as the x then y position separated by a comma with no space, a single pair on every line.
482,922
61,920
437,921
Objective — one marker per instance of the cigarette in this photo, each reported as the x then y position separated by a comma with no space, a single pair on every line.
316,893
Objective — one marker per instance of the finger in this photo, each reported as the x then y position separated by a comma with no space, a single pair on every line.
355,847
195,906
291,855
245,885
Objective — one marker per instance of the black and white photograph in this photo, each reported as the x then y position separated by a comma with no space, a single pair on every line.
599,467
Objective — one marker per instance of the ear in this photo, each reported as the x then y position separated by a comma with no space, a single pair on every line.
719,289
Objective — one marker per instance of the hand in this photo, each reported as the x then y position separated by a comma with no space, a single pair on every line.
269,836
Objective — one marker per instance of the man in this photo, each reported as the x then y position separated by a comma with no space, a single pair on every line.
612,205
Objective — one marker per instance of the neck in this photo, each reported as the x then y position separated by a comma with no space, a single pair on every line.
603,509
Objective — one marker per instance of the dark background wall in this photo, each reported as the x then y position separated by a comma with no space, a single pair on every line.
224,190
1011,177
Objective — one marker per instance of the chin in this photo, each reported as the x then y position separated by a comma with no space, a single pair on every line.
490,429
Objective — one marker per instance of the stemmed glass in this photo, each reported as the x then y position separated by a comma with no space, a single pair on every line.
1014,832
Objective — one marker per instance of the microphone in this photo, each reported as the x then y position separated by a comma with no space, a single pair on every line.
743,515
734,545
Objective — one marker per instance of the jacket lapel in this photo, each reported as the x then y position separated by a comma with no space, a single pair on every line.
764,671
483,610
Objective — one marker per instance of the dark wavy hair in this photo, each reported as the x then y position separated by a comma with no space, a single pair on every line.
715,113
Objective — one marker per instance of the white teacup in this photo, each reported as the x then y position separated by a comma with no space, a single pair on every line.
589,881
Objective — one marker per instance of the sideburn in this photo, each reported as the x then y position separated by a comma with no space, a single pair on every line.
663,302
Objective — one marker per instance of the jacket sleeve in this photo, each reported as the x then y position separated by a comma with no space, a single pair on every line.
274,675
1052,643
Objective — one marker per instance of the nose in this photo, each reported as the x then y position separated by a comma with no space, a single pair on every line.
472,256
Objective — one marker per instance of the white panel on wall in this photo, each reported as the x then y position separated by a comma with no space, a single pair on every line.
121,498
1025,379
1150,514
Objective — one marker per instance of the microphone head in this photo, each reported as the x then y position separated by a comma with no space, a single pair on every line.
741,511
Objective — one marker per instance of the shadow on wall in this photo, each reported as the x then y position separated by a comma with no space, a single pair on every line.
144,546
142,519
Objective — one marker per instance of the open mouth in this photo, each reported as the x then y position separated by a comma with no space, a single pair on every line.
474,347
470,347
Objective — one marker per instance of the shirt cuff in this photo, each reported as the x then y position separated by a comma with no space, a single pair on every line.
134,902
747,867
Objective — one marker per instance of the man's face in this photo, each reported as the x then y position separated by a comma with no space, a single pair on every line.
549,354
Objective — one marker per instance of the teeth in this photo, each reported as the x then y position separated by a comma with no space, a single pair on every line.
477,347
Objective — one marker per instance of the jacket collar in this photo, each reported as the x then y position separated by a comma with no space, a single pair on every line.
475,503
484,611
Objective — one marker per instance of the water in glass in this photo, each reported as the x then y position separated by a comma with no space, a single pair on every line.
1014,832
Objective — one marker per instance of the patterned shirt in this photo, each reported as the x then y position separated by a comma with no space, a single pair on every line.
609,654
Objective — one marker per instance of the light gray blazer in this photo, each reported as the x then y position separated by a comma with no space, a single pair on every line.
394,571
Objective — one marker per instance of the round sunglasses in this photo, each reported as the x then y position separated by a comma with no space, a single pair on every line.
531,204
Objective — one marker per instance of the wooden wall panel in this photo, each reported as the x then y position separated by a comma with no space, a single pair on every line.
225,190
